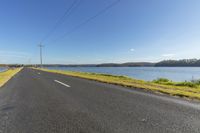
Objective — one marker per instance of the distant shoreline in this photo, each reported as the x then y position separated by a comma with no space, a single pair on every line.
164,63
109,66
87,66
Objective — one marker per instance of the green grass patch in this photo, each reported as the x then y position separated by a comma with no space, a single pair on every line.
182,89
6,75
193,84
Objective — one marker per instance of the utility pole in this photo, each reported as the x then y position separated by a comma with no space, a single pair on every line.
41,46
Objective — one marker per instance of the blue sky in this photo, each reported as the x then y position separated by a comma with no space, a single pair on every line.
132,30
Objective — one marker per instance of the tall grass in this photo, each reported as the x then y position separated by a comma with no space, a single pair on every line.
6,75
165,81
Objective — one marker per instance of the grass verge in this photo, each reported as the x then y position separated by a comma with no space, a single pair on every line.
170,89
7,75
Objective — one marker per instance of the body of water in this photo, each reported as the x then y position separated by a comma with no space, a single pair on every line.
2,69
144,73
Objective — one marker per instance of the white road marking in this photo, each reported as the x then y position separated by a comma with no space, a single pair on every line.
62,83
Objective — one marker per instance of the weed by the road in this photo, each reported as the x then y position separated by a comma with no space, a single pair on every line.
6,75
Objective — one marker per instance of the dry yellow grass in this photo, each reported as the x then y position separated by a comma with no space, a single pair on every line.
182,91
7,75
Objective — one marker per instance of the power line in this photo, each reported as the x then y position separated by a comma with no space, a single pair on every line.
89,19
65,16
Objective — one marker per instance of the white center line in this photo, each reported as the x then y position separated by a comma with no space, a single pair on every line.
62,83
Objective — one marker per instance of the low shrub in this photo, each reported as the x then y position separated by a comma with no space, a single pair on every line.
186,83
161,80
165,81
197,82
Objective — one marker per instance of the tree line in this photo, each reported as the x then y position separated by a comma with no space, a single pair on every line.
179,63
164,63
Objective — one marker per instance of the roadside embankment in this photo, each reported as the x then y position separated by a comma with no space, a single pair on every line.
192,92
7,75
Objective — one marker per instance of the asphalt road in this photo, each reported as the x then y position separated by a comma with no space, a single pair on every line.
41,102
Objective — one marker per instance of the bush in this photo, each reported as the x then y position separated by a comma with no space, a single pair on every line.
161,80
165,81
197,82
189,84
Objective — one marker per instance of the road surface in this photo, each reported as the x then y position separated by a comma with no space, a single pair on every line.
39,102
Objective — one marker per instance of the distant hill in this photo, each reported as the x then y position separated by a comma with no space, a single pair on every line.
129,64
179,63
164,63
70,65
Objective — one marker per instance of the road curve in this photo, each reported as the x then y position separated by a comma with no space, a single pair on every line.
39,102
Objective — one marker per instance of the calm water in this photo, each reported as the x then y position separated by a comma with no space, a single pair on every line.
2,69
145,73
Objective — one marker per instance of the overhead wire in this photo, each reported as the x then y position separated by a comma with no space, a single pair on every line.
89,19
64,17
